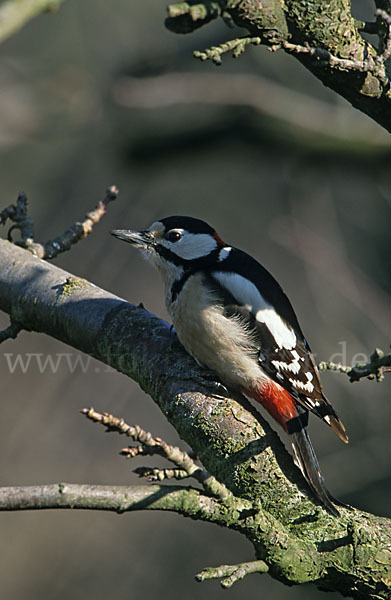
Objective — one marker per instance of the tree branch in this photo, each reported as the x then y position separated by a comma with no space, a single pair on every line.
271,504
14,14
326,40
119,499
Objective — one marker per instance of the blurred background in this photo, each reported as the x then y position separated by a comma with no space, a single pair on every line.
101,93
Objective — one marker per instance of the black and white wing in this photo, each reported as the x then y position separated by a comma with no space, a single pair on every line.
255,297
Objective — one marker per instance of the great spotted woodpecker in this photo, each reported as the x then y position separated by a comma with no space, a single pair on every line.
233,317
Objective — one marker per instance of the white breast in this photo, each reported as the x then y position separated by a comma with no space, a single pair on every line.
217,342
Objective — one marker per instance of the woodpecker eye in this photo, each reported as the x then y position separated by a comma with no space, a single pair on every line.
173,236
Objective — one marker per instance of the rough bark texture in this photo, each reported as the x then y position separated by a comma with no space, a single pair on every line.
326,26
297,539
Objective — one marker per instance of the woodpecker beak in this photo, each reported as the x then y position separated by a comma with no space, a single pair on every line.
141,239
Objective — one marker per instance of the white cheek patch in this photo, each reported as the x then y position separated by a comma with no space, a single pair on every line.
191,246
246,293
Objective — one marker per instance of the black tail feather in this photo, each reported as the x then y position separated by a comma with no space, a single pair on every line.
307,462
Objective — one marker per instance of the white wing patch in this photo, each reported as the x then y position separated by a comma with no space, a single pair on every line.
247,294
224,253
283,334
304,387
293,366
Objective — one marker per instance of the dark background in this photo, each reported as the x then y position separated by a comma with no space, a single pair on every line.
293,175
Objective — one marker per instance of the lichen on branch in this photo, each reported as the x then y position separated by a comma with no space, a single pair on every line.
324,37
185,17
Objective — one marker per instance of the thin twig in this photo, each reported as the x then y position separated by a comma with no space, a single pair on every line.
202,11
236,46
10,332
378,364
78,231
17,213
325,56
184,17
372,64
230,574
151,445
154,474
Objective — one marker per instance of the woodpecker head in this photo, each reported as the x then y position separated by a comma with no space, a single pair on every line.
175,242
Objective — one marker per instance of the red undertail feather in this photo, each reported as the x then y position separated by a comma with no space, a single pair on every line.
277,401
281,406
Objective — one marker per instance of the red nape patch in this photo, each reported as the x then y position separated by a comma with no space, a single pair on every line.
277,401
218,239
